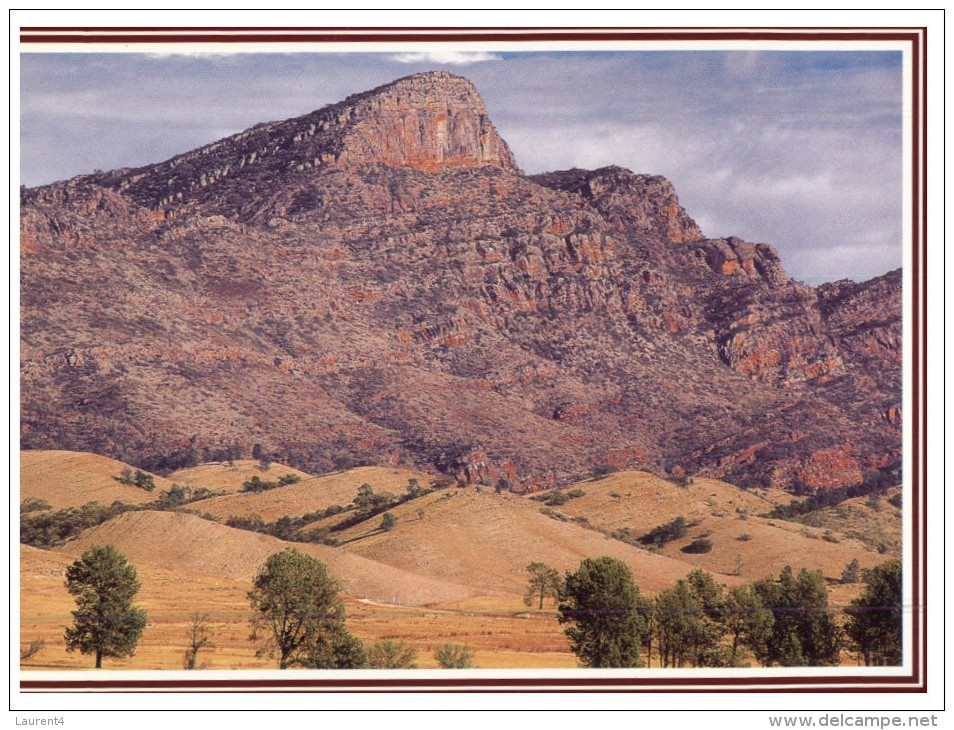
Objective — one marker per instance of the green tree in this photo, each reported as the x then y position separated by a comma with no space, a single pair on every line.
454,656
105,623
388,521
144,480
688,622
544,581
852,572
600,601
804,630
390,654
747,621
295,599
32,504
647,609
874,619
707,649
414,488
364,499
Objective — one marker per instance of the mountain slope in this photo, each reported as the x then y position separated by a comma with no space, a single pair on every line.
376,283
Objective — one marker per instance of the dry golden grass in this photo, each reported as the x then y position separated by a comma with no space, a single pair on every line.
641,501
871,520
498,630
725,514
71,479
309,495
220,476
451,570
193,546
771,545
486,540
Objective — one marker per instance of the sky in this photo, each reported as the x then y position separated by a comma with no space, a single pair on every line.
800,149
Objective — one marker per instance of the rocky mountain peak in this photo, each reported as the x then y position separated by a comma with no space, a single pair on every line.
426,121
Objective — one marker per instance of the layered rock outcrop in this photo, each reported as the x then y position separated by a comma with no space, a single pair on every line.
376,282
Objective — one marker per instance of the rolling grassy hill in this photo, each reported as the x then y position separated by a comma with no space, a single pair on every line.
452,567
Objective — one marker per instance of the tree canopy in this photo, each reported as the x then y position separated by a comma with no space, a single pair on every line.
600,602
296,601
804,630
105,622
874,618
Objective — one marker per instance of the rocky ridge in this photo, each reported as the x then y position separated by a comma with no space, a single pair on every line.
376,282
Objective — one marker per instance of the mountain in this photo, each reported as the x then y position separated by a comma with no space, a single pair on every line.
378,283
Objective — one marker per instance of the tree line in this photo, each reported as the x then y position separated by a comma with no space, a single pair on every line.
785,621
298,616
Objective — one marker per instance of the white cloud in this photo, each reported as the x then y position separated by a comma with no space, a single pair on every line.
453,58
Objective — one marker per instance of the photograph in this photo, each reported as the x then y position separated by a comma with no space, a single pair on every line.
578,360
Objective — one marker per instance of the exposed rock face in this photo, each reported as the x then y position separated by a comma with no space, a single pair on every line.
426,121
377,282
641,204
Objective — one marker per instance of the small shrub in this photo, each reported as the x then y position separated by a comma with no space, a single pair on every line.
255,523
454,656
144,480
739,564
388,521
895,501
553,514
389,654
744,537
255,484
829,537
443,482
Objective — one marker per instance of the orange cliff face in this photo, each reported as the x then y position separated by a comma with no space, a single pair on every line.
426,121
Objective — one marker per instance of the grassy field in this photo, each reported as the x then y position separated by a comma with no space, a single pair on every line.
452,569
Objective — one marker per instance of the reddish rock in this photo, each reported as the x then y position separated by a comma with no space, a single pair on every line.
831,468
376,282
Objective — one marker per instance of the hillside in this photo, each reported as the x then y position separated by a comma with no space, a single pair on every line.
743,541
187,544
229,476
487,540
65,479
377,283
311,494
452,567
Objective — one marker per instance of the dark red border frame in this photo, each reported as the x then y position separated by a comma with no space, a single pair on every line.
916,681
